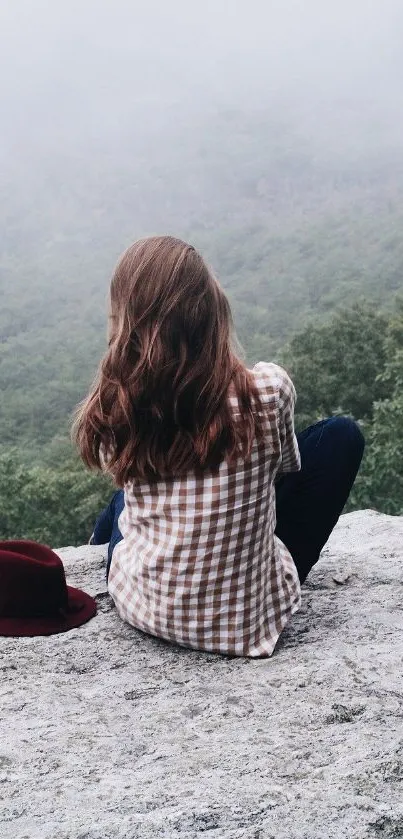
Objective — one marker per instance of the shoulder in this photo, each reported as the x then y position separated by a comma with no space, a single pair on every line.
272,379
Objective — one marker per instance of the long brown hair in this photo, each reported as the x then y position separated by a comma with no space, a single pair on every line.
159,406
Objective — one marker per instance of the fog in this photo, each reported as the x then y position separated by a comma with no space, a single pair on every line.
74,72
123,118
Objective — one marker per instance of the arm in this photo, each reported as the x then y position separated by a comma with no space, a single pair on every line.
290,456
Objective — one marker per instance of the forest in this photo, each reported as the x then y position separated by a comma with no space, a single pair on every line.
295,199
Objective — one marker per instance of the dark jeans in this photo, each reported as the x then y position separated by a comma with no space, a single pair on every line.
308,502
106,527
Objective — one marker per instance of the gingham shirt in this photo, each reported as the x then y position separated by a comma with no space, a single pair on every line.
199,563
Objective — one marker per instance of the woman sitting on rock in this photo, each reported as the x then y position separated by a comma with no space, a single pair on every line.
221,511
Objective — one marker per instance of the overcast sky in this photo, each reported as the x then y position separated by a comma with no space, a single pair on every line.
122,117
144,47
75,72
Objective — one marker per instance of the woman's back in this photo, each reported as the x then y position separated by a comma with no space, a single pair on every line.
199,563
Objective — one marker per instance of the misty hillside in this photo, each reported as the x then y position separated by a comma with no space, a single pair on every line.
292,229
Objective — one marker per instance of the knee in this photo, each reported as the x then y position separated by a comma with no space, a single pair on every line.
347,432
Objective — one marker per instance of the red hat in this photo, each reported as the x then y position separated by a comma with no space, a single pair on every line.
34,597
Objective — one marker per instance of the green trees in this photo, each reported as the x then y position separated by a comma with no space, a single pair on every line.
336,365
54,505
351,364
380,484
354,365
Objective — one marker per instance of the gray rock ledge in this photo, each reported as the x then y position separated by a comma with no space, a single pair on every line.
108,734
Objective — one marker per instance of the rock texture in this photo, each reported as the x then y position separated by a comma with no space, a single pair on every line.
109,734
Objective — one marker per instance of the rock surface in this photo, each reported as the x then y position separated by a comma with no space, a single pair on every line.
109,734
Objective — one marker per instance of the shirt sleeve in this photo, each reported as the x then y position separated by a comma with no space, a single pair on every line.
290,455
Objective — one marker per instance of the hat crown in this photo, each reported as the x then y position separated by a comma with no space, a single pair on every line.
32,581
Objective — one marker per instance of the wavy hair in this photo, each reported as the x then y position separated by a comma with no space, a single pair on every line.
159,406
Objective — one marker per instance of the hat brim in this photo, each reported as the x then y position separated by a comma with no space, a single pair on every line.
81,608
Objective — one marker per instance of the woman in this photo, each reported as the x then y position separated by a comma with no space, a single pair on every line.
202,448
